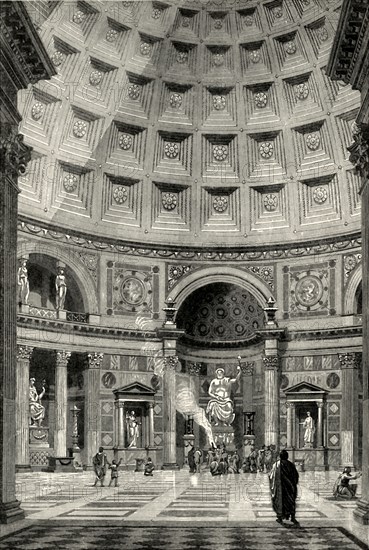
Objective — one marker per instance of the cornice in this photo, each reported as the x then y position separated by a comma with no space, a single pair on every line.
206,253
324,334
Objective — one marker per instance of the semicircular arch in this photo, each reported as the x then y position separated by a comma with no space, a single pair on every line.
202,277
80,272
354,281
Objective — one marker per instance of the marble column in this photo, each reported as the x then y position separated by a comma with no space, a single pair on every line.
289,425
22,408
92,407
61,403
119,424
247,369
194,370
320,425
151,425
349,409
169,413
271,396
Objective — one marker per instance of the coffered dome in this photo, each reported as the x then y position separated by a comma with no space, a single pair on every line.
192,124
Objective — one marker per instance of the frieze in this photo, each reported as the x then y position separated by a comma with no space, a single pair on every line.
242,254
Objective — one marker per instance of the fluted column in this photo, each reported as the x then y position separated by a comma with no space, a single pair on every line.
119,424
61,403
194,370
271,396
151,425
349,409
169,413
22,408
289,425
92,407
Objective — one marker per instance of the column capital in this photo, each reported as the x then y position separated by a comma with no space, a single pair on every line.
14,153
119,404
171,362
320,404
94,360
194,368
271,362
290,404
247,368
62,358
24,353
151,404
349,360
359,149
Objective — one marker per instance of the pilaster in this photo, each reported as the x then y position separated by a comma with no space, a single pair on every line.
24,354
61,403
92,407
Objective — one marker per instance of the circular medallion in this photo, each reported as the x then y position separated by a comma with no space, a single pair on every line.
169,201
218,24
266,149
322,34
320,195
220,152
301,91
186,21
278,12
309,291
312,141
176,271
79,129
57,58
171,149
333,380
254,56
95,78
70,182
37,111
79,17
111,35
120,194
248,20
270,202
220,203
156,13
134,91
219,102
108,379
290,47
125,141
133,291
284,381
182,57
261,99
145,49
175,100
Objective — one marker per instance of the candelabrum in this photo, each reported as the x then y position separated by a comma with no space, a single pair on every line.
75,411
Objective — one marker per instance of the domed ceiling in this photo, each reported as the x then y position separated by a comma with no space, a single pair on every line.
191,124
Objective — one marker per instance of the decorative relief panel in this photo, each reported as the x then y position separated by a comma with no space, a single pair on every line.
122,200
218,25
30,182
278,14
41,109
175,272
310,290
74,189
173,153
313,148
126,145
115,38
187,23
82,132
320,34
290,51
130,289
220,156
97,82
218,59
261,103
345,126
176,104
220,209
169,206
266,155
248,22
182,58
319,200
219,107
350,262
147,51
354,184
269,207
136,96
255,59
302,94
64,58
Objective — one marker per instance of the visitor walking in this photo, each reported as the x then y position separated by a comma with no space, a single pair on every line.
283,486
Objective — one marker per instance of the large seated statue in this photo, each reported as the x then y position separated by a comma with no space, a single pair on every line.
220,407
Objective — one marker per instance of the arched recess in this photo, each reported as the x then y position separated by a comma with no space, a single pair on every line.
349,305
80,272
209,275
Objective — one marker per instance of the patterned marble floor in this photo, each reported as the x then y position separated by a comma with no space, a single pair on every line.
176,506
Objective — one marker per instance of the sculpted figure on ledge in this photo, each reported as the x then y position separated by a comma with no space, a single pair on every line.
220,407
36,409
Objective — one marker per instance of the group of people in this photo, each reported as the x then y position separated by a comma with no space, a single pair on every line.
218,460
102,465
260,460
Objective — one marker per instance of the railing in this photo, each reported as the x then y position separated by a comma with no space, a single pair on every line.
77,317
43,312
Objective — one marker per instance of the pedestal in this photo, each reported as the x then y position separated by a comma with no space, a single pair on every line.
39,436
224,435
63,464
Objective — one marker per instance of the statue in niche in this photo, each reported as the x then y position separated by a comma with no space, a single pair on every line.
61,288
220,407
36,409
23,283
133,429
308,425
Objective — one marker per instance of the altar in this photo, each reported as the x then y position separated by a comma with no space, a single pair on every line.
134,426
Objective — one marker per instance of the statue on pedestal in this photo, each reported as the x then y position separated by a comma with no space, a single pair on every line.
23,283
133,428
220,407
61,288
309,428
36,409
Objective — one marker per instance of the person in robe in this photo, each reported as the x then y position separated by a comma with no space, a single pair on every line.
309,428
191,460
261,459
23,283
246,465
283,487
220,406
36,409
100,463
253,459
343,488
268,459
149,467
197,458
214,467
61,288
234,467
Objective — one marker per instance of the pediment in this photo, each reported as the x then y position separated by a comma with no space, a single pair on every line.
305,387
135,388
